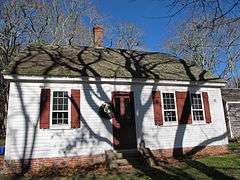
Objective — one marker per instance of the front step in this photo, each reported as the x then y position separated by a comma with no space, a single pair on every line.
124,159
127,154
121,162
126,151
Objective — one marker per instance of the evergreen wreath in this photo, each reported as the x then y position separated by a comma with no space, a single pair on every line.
106,110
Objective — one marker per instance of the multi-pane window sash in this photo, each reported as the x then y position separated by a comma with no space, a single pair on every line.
169,107
60,107
197,107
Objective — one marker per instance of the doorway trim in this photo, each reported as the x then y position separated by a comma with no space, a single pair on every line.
116,125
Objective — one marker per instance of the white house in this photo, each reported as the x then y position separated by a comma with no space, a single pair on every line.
56,92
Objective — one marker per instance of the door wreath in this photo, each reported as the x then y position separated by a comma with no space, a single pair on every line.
106,110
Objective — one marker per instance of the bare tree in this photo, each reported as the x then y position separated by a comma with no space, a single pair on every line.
209,36
66,26
53,22
235,81
126,36
213,10
216,50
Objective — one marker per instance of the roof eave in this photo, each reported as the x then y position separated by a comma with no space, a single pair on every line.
25,78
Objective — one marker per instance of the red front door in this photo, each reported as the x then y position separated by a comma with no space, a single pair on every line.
124,130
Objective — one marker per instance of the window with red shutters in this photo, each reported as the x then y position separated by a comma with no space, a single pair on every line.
183,107
157,106
206,107
45,108
75,108
59,113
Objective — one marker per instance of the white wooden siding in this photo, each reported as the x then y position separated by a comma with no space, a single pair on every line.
233,117
26,140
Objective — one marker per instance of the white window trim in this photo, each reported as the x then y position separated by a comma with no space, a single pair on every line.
175,102
60,126
203,108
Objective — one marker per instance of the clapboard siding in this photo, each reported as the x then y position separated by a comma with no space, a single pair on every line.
234,117
95,134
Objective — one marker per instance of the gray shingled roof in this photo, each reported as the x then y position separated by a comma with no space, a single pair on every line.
106,62
231,94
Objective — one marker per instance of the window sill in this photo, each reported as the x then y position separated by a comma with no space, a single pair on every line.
199,123
60,127
176,124
170,124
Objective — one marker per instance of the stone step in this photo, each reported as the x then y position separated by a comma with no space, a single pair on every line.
127,153
109,155
130,167
119,155
126,168
124,159
121,162
112,166
128,156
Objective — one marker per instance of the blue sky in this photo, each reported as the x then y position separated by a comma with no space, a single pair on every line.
156,30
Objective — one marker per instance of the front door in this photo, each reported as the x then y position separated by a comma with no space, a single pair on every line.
124,130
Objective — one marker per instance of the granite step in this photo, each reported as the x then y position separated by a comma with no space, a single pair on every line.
124,159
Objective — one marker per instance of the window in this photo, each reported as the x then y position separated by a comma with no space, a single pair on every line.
169,107
60,108
197,107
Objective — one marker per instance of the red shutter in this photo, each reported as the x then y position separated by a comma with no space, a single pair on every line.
183,107
206,107
75,108
45,108
157,105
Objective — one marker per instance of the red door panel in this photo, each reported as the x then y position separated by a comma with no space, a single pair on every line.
124,130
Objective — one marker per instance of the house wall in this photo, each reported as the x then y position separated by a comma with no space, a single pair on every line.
233,117
26,140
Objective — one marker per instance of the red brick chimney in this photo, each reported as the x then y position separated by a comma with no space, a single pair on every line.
98,36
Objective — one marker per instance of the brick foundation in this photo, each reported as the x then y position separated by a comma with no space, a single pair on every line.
191,151
86,163
36,166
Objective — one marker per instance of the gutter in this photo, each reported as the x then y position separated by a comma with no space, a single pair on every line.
23,78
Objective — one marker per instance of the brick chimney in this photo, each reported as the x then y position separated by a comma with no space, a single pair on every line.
98,36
